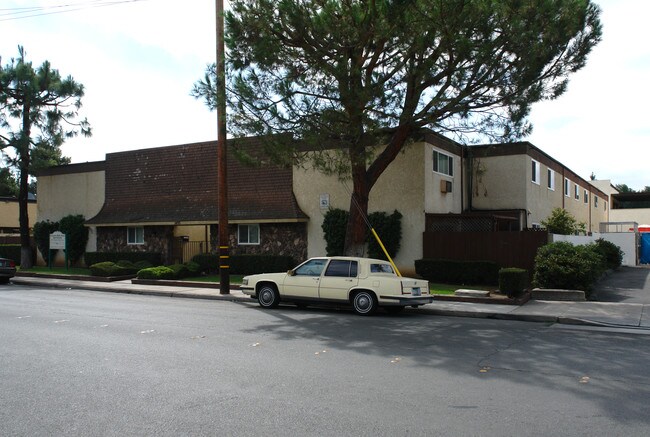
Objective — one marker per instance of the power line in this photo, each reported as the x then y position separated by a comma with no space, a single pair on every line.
20,13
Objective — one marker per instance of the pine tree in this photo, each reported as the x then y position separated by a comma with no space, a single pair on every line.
38,111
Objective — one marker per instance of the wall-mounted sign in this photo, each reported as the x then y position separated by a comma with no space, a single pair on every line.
324,201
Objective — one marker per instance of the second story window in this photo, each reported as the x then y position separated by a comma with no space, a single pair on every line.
535,169
586,197
576,192
595,201
443,163
551,179
567,188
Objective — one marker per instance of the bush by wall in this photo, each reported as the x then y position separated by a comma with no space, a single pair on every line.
334,225
562,265
246,264
160,272
513,281
388,227
73,227
611,253
42,231
153,258
458,272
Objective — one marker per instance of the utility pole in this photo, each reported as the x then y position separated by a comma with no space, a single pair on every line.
224,239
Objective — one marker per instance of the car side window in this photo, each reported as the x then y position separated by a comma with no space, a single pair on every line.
341,268
381,268
312,267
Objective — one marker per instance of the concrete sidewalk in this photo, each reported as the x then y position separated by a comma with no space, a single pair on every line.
628,315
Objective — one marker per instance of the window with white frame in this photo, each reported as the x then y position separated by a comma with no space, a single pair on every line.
576,192
595,201
135,235
248,234
551,179
535,169
567,188
443,163
586,197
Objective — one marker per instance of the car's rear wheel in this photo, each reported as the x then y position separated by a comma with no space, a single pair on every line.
364,303
268,296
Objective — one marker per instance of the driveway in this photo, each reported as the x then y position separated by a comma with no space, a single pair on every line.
627,284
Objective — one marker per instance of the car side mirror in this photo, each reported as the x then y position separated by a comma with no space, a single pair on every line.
291,272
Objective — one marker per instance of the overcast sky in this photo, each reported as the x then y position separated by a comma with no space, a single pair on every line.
139,59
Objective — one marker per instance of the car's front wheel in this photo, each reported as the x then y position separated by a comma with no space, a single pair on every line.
364,303
268,296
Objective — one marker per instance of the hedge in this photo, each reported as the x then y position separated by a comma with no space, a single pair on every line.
458,272
153,258
160,272
108,268
513,281
565,266
246,264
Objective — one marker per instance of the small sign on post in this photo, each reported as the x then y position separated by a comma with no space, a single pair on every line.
58,240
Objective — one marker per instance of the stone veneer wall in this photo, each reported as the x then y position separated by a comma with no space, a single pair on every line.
275,239
156,239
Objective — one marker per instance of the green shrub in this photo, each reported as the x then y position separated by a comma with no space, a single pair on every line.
154,258
458,272
142,264
180,271
208,262
160,272
108,268
562,222
513,281
611,253
565,266
389,229
193,268
77,234
42,231
334,225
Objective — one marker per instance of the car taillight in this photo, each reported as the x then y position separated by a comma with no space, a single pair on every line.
12,264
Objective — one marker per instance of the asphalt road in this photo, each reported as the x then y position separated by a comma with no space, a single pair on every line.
91,363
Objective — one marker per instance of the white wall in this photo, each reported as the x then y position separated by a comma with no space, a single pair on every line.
627,241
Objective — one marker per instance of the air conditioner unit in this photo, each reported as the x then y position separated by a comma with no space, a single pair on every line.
445,186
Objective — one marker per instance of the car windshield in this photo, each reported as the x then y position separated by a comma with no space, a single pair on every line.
313,267
381,268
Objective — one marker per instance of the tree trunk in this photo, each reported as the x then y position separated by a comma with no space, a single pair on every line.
356,231
23,193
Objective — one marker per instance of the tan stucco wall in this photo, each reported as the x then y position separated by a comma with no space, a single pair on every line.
500,184
641,215
435,201
194,232
75,193
9,212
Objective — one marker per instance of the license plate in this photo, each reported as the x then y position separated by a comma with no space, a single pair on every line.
416,292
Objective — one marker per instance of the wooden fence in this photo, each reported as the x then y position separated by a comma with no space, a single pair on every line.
507,249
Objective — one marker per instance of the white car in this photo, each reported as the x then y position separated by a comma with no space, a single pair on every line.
364,283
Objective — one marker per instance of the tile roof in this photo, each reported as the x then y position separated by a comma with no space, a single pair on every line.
178,184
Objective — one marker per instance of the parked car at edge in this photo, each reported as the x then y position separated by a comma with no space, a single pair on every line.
364,283
7,270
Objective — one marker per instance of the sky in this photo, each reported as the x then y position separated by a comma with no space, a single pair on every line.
139,59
